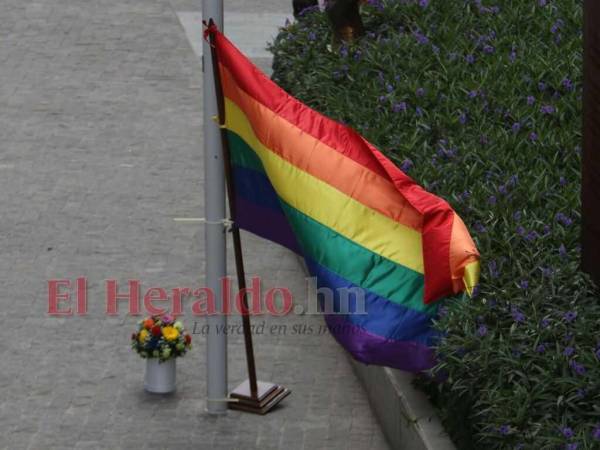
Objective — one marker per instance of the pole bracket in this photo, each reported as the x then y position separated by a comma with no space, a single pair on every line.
226,222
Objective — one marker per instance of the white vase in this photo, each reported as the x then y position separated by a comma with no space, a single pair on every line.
160,376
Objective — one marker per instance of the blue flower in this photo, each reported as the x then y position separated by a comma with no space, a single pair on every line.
597,354
418,111
423,3
492,200
568,351
567,432
545,323
493,268
530,100
489,49
312,36
517,315
399,107
472,94
462,118
541,348
570,316
482,331
596,432
533,136
524,284
547,109
571,446
406,165
470,59
479,227
516,127
517,215
579,369
504,430
542,86
562,251
420,92
567,84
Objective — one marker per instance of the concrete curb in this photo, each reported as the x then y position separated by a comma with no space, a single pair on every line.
406,417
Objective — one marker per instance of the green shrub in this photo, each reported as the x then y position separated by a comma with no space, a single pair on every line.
481,104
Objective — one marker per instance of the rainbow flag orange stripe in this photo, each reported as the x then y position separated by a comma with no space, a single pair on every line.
319,188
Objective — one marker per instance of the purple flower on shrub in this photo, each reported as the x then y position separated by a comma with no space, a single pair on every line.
503,189
520,230
423,3
382,98
533,136
493,268
581,393
524,284
420,37
596,432
545,323
541,86
562,251
489,49
541,348
406,165
389,88
492,200
472,94
547,109
530,100
567,432
557,26
567,84
517,215
531,236
470,59
570,316
462,118
597,354
517,315
357,55
399,107
479,227
542,3
568,351
564,219
418,111
435,49
513,180
571,446
516,127
504,430
562,181
312,36
482,331
579,369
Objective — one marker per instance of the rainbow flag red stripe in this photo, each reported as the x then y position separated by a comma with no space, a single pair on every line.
319,188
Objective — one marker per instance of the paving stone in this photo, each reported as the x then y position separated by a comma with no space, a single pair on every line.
101,131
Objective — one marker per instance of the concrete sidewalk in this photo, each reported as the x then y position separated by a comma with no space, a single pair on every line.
101,135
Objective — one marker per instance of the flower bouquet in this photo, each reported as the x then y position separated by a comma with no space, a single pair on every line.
160,340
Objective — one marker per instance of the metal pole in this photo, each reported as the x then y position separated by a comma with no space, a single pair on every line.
235,230
214,201
590,193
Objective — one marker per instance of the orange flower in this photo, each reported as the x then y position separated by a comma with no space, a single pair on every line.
148,323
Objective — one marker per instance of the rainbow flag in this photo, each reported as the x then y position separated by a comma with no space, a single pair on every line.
320,189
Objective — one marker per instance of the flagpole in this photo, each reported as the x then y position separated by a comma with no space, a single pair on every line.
252,395
214,235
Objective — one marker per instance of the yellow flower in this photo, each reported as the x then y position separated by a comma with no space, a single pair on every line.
170,333
143,335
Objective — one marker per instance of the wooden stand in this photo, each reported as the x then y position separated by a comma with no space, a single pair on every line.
251,396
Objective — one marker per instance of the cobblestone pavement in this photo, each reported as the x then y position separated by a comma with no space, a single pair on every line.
100,135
